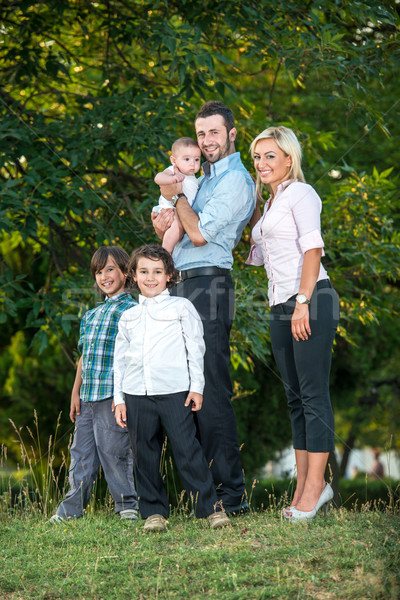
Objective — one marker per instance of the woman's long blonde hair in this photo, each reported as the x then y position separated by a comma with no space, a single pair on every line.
289,144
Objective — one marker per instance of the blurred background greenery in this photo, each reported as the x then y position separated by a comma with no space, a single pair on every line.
91,96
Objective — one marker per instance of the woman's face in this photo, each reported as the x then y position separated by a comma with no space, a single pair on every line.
271,163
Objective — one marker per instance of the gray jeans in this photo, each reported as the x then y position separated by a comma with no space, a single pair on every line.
98,440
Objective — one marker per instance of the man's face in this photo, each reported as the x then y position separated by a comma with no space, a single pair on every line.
214,140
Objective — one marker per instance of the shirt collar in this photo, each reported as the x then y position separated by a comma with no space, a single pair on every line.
118,297
215,169
158,299
282,186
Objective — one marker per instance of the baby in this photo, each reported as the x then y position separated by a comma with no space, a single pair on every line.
185,159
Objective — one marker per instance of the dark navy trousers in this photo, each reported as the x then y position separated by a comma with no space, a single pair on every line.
146,417
305,367
214,299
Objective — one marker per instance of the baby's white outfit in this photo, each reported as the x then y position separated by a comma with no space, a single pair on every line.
189,188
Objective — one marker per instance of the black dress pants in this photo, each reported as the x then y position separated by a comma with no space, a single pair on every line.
145,417
214,298
305,367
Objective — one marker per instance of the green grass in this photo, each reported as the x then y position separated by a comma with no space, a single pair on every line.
347,555
351,554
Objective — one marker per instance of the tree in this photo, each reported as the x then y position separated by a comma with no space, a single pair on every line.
91,95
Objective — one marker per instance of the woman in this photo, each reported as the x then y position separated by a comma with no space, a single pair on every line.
304,308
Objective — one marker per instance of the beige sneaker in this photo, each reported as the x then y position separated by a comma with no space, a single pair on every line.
129,514
218,519
56,519
155,523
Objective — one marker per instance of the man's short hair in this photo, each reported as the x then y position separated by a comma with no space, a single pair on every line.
215,107
183,142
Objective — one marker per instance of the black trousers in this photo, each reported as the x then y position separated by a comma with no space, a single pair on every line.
145,417
305,367
214,298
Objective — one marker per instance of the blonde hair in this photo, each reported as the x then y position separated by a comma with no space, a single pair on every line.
289,144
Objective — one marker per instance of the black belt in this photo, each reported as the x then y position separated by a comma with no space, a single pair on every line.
200,271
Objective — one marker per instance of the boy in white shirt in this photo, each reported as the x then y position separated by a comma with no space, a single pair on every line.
158,382
185,159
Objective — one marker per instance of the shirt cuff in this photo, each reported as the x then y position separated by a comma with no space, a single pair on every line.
118,400
311,240
255,257
197,387
208,236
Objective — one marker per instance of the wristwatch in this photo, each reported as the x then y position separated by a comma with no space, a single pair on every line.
175,198
302,299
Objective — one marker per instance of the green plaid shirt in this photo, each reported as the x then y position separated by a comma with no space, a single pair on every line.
99,328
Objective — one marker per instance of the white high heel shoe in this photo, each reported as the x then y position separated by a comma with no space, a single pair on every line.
287,509
324,500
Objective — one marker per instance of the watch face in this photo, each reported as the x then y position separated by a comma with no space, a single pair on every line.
302,299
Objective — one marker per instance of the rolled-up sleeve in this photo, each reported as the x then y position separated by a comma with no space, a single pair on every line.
256,256
312,240
306,209
229,198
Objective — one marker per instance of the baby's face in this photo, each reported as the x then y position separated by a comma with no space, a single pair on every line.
187,160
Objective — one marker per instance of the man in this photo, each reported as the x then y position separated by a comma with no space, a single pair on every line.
213,226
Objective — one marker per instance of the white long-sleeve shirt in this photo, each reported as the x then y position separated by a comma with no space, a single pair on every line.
159,348
283,235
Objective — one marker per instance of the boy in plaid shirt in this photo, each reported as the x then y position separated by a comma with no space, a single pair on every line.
97,439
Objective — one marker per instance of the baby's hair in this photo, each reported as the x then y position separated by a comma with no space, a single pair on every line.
99,261
154,252
183,142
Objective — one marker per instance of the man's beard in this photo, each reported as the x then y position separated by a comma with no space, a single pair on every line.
221,153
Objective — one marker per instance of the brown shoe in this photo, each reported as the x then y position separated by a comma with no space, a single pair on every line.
218,519
155,523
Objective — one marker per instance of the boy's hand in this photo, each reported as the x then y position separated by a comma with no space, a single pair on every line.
75,407
120,415
195,399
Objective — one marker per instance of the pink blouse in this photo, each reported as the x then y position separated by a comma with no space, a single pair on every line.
283,235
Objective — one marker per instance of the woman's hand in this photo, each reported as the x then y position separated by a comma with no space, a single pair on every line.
301,322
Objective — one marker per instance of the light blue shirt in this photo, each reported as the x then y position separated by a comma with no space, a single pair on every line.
224,203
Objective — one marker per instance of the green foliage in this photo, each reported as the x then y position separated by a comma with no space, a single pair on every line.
91,96
262,414
33,383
